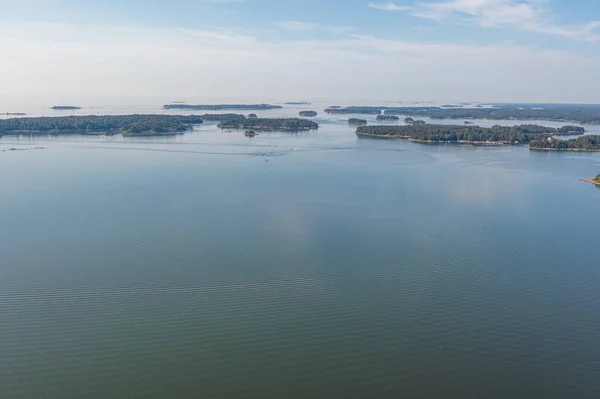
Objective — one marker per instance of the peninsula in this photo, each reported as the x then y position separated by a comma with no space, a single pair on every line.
595,180
461,134
146,125
291,124
583,143
220,107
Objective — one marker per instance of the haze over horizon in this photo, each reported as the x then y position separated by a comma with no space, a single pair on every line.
428,50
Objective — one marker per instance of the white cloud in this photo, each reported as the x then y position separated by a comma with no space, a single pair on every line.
389,7
295,25
524,15
70,63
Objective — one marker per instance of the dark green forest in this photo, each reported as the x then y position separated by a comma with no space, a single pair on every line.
268,123
357,121
126,124
455,133
583,143
574,113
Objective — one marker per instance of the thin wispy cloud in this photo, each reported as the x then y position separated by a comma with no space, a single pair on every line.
295,25
389,7
299,26
523,15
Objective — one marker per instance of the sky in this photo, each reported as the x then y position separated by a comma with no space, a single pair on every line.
275,50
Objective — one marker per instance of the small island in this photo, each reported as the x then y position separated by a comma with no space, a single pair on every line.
308,113
14,114
288,124
411,121
595,180
219,107
136,125
252,116
387,118
357,121
297,103
65,108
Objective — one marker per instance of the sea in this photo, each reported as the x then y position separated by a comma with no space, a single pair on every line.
295,265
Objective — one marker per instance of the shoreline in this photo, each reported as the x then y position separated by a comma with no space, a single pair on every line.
594,182
563,149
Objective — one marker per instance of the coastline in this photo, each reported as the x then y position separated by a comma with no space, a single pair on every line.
563,149
594,182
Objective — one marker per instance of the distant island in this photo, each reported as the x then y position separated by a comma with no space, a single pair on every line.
584,143
354,110
220,107
357,121
65,107
595,180
146,125
297,103
411,121
14,113
308,113
553,112
387,118
460,134
291,124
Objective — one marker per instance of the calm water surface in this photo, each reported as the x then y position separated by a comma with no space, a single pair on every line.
310,265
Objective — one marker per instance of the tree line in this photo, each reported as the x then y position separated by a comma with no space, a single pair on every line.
586,143
454,133
241,122
100,123
575,113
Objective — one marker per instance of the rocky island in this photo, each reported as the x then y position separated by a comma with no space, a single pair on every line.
595,180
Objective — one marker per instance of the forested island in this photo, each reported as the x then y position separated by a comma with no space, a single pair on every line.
583,143
357,121
354,110
411,121
220,107
94,124
291,124
557,112
461,134
65,107
308,113
387,118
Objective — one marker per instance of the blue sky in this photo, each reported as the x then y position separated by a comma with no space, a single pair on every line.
548,50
